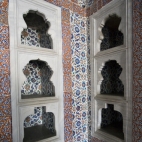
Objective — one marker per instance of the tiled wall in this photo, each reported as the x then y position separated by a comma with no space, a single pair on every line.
75,68
5,100
137,71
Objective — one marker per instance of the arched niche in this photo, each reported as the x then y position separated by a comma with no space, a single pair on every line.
39,126
38,84
112,122
36,33
110,83
111,36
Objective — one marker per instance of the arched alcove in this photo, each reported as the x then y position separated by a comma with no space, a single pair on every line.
112,36
38,84
112,121
111,84
36,33
39,126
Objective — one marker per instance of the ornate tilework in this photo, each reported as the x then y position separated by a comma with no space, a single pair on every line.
5,129
80,63
39,117
137,71
111,83
4,13
35,34
33,120
38,82
85,3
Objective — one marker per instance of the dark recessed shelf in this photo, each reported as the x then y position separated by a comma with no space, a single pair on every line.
34,96
114,129
122,95
36,133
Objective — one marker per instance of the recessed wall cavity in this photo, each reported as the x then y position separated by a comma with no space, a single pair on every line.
38,84
40,125
112,36
112,122
36,32
111,83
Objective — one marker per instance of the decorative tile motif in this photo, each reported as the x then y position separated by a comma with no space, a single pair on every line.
33,120
4,13
85,3
5,129
39,117
137,71
5,106
38,75
4,37
65,15
111,83
35,34
79,42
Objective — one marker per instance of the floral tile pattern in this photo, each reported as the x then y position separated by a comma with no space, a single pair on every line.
35,34
38,75
39,117
3,12
79,42
86,3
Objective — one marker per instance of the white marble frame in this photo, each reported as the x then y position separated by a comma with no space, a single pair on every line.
16,24
51,14
52,61
123,8
114,7
120,107
99,63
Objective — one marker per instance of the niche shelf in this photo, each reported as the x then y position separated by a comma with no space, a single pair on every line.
112,36
36,71
36,32
112,122
111,84
38,84
111,72
39,126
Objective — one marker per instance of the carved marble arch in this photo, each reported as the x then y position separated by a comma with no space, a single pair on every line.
109,83
36,34
38,84
40,125
110,32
